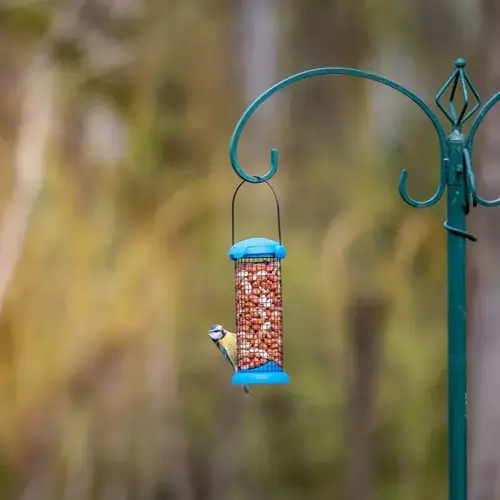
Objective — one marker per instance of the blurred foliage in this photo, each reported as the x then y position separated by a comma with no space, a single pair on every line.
110,387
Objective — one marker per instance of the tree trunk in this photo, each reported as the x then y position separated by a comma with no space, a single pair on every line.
34,135
484,465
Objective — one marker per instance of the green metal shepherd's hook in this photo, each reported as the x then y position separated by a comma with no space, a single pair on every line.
457,178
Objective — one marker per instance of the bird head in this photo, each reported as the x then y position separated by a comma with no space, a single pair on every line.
217,333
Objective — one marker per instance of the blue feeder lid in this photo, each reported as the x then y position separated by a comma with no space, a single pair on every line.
270,373
257,247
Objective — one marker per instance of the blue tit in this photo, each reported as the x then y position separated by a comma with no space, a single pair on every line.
226,343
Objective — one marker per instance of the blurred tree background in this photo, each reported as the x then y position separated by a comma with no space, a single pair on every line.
114,128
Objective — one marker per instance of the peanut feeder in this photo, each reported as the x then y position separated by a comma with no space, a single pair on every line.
258,306
259,311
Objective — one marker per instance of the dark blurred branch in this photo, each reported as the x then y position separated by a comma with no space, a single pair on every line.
367,315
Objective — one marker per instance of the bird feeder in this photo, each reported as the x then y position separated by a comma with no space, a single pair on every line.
258,308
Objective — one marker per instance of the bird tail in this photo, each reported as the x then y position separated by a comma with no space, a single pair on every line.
246,389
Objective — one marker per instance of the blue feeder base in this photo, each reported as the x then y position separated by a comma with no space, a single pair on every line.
270,373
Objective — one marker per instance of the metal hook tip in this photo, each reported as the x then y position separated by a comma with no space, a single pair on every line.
402,180
274,158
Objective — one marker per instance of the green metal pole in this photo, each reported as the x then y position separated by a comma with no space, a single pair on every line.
457,343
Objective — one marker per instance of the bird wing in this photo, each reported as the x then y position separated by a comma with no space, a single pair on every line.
226,355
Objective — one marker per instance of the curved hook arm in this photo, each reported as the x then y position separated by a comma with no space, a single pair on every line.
340,71
470,142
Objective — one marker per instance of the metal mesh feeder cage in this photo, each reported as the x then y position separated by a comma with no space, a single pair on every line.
258,309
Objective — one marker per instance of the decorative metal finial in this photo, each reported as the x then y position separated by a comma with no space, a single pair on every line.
458,76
